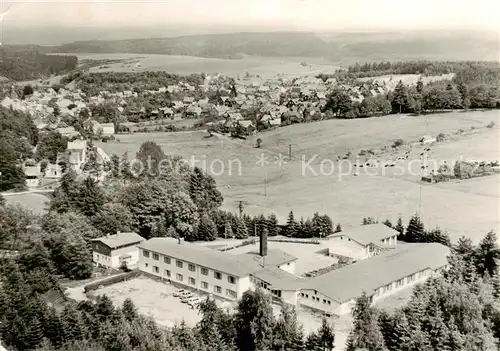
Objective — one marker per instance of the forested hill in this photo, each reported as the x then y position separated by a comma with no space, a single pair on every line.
342,47
29,62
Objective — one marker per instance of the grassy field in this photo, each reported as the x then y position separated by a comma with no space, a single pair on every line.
347,199
34,202
263,66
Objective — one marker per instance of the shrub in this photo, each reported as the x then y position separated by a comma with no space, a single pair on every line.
398,143
490,125
441,137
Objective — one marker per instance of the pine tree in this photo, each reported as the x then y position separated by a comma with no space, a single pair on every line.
400,97
206,228
326,335
487,254
400,229
34,334
228,229
272,224
292,227
129,310
241,229
366,332
415,231
338,228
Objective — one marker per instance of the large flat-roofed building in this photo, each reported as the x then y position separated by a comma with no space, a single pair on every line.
379,276
362,242
210,271
228,275
114,250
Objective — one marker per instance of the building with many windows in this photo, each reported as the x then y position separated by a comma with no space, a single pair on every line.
230,275
207,270
380,276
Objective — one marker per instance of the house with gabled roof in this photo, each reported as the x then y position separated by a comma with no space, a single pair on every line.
362,242
114,250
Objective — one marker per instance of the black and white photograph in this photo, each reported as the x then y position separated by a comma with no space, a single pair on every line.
249,175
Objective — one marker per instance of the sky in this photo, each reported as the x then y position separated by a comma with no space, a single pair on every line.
304,14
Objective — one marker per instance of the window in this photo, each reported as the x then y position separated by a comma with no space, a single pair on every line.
191,267
146,265
179,264
231,279
166,260
167,273
156,257
156,269
302,294
231,293
204,271
179,277
192,281
217,289
218,275
204,285
145,253
329,302
324,301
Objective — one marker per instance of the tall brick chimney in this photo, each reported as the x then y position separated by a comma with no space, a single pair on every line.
263,243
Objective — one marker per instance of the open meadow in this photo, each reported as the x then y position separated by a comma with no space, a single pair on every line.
269,182
263,66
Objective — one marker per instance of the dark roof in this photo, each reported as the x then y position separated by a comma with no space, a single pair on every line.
349,282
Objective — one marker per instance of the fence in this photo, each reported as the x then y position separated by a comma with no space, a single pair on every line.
111,280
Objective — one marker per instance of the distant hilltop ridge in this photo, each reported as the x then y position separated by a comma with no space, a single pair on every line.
340,47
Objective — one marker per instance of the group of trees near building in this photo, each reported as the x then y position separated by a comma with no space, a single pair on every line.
457,310
415,231
24,63
18,135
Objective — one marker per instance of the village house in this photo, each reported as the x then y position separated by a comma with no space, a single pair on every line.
32,175
77,154
115,250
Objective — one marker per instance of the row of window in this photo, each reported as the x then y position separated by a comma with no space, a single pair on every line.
192,281
191,267
104,257
315,298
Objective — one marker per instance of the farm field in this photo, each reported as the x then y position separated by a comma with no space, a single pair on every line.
263,66
271,186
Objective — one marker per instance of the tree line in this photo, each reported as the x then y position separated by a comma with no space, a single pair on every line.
29,63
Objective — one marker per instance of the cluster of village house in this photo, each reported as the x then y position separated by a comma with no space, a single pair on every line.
381,267
276,98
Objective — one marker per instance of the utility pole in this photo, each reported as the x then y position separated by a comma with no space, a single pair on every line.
240,208
290,151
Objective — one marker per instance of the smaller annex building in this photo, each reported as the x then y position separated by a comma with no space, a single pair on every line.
380,276
362,242
114,250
